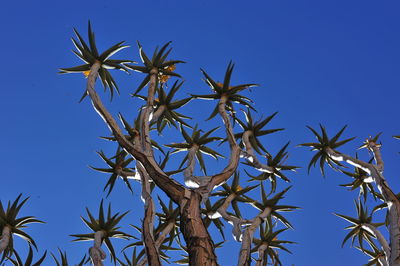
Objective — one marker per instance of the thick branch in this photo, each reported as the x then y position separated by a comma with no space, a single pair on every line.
245,250
148,222
261,252
148,109
160,239
5,238
173,189
96,252
251,156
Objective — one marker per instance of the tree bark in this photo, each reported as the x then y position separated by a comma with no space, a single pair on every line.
198,241
245,250
96,253
148,237
261,253
160,239
5,238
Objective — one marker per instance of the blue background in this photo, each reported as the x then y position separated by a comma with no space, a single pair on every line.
330,62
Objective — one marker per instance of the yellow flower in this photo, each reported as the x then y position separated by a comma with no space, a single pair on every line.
86,73
171,68
164,78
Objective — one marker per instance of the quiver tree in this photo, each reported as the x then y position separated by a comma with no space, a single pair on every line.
185,216
366,173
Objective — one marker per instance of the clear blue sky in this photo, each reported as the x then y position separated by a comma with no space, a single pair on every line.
330,62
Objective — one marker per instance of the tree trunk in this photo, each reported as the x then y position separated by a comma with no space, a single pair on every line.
5,238
198,241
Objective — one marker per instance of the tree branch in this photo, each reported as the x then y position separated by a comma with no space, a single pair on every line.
388,195
5,238
245,250
228,171
157,113
376,150
160,239
96,252
372,229
145,117
235,221
251,156
148,221
173,189
192,181
261,252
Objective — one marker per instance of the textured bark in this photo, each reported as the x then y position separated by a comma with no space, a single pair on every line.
143,143
245,250
173,189
160,239
145,119
227,122
96,253
5,238
148,222
198,241
261,252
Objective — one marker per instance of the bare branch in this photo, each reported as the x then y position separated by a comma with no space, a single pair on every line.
228,171
192,181
96,252
148,221
235,221
372,229
245,250
5,238
173,189
251,156
145,117
160,239
376,150
261,252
